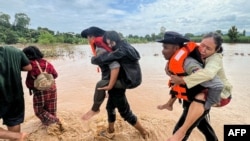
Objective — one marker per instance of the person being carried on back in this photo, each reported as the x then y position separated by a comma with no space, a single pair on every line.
194,111
201,76
94,36
175,67
129,76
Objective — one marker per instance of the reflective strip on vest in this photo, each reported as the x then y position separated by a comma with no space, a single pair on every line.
175,67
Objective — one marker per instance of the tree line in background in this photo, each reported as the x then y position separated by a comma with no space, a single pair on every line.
19,32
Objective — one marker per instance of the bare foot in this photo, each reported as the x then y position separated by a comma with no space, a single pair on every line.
89,114
165,106
178,136
61,124
23,137
145,135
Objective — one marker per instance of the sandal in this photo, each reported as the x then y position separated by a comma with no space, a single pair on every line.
105,133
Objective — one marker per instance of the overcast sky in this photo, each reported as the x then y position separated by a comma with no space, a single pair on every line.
137,17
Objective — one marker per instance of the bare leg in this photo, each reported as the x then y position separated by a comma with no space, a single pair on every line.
106,95
168,105
89,114
99,97
195,110
12,136
23,137
143,132
16,128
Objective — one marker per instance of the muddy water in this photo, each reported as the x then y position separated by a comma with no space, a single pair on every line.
77,79
77,76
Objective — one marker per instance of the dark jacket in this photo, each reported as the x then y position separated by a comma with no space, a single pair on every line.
128,57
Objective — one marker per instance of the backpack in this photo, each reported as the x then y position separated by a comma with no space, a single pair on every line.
132,76
225,97
44,80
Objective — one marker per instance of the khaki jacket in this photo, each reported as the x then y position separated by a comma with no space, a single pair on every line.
213,67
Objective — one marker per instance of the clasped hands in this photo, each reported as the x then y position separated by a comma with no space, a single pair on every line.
177,80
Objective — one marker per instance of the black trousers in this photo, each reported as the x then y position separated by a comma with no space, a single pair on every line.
99,95
202,124
117,99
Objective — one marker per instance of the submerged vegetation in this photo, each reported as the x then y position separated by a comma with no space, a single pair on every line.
54,51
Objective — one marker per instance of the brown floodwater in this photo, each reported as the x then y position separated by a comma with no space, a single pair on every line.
77,76
77,79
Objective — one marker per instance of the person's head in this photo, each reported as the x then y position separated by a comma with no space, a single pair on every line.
92,32
210,43
111,38
33,53
171,42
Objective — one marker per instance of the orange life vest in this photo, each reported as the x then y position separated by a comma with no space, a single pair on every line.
175,67
98,41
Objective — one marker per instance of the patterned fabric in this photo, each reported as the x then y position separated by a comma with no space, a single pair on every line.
44,102
45,105
35,72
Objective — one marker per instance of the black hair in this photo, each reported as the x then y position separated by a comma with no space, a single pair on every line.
196,55
217,39
33,53
92,31
112,36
